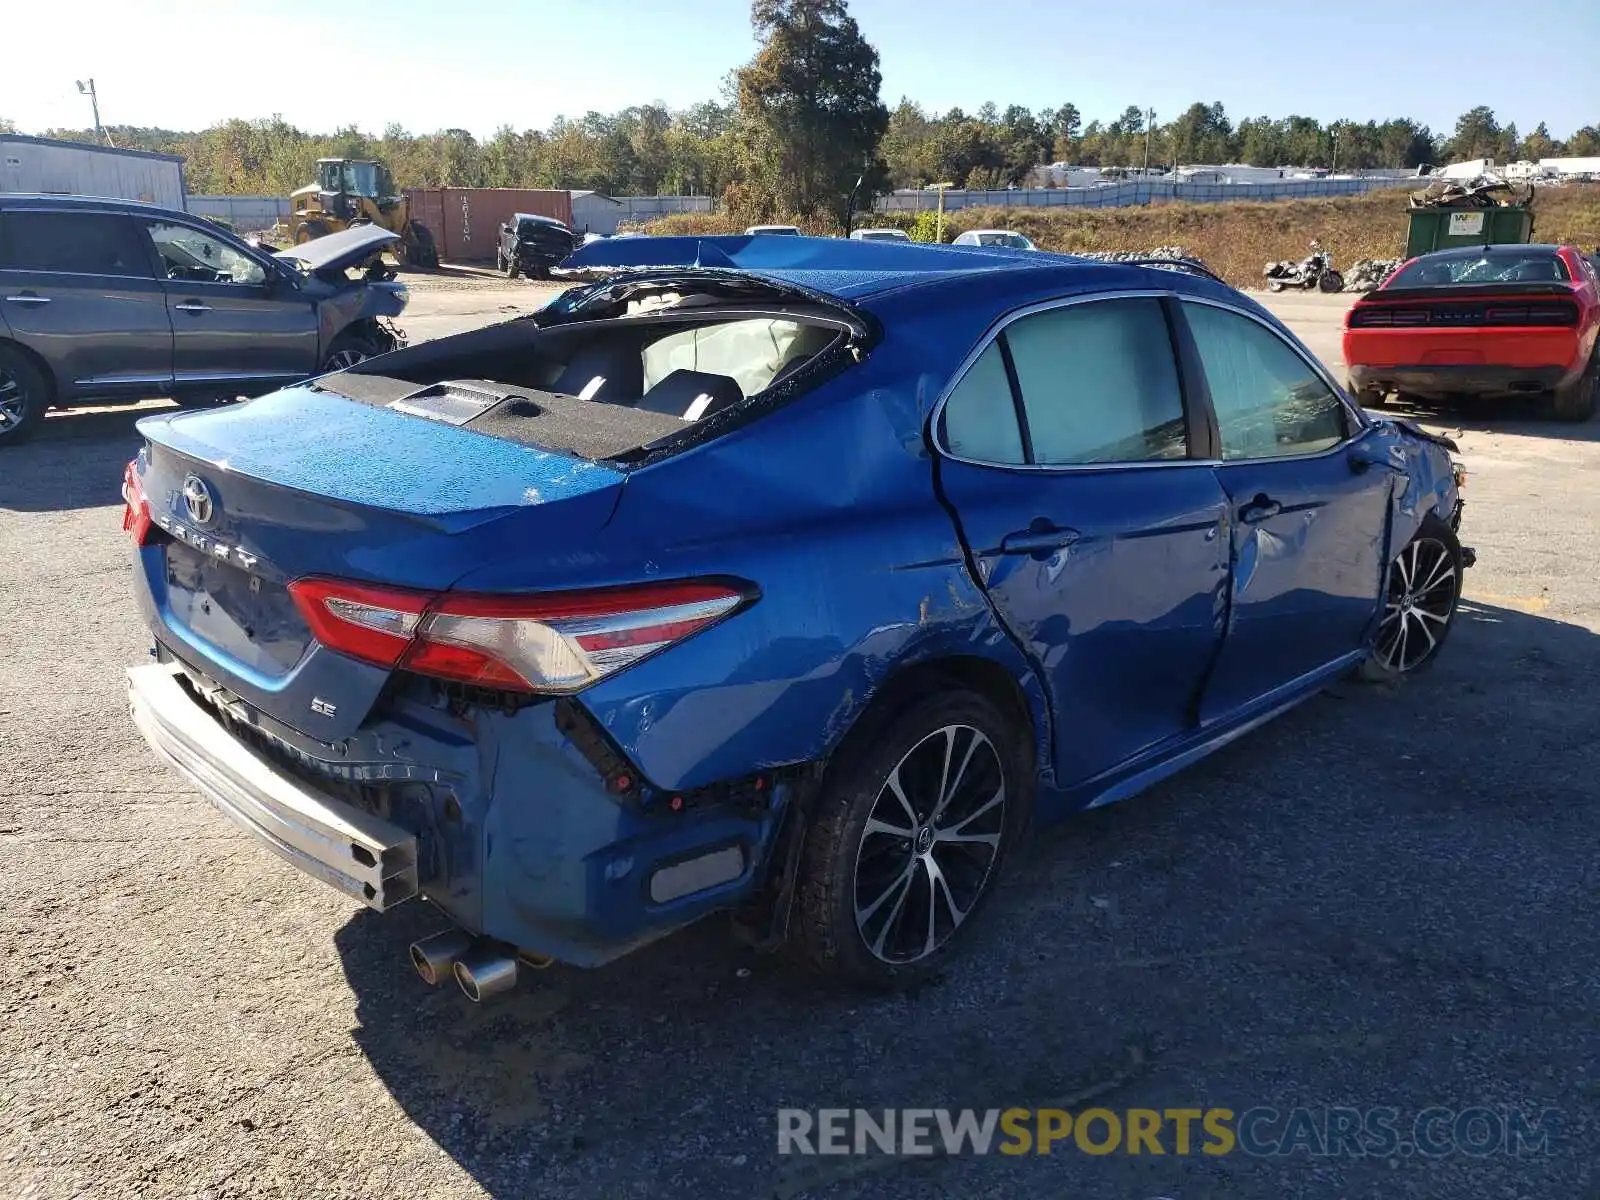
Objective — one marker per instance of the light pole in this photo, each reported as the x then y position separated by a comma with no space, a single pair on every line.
87,89
1149,120
1334,168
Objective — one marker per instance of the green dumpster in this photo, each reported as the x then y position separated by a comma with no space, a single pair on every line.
1444,228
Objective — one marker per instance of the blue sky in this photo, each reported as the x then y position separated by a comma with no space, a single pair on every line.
475,65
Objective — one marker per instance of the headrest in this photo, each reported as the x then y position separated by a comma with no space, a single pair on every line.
692,395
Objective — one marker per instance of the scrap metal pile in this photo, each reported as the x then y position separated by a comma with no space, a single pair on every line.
1135,255
1486,191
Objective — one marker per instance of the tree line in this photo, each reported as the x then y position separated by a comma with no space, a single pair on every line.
801,129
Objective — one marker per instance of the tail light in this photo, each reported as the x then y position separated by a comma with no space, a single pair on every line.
136,509
551,643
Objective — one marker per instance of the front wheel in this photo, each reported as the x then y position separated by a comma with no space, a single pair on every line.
1275,285
347,350
1419,607
1331,281
908,840
513,267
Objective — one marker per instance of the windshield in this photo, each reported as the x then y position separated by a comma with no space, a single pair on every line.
1534,267
882,235
1015,240
361,179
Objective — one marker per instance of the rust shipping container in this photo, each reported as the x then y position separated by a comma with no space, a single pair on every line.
465,222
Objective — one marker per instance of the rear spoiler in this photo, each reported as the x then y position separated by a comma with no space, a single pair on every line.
1465,291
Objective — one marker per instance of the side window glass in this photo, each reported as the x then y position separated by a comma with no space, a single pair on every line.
196,257
1269,402
1099,383
980,418
80,243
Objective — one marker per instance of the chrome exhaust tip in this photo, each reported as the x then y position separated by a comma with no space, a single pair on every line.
433,957
485,973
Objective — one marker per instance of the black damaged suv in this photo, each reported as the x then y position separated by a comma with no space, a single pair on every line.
531,245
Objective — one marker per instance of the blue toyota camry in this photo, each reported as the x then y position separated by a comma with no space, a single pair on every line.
787,576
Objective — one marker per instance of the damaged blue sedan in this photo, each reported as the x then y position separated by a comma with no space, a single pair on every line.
790,577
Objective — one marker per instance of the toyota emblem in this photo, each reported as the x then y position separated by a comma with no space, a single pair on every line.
198,501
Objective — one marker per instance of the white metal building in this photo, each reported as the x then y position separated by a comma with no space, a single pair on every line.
35,164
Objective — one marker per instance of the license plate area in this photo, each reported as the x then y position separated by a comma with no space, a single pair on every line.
250,618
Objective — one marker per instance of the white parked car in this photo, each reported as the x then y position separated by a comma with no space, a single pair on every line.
788,230
879,235
994,237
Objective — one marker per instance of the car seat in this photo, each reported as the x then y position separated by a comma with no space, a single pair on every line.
692,395
607,370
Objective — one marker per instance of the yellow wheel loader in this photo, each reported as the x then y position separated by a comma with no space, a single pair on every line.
354,191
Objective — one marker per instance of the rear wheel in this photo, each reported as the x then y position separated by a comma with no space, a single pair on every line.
1370,398
310,230
1420,605
513,267
1331,281
908,841
24,396
1577,401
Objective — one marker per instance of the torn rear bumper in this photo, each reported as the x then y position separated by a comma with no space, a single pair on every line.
363,856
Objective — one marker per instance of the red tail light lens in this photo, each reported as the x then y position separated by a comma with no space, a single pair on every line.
136,509
551,643
373,624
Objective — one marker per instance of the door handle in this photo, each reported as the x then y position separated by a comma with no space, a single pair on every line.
27,298
1259,509
1039,539
193,306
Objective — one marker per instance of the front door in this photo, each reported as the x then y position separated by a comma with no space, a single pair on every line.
78,289
1308,510
1065,453
235,322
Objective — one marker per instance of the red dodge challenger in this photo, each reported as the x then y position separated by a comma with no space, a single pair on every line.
1489,321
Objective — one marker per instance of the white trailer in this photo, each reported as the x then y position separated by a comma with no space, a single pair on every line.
36,164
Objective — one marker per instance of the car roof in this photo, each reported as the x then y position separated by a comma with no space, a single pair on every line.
1493,250
859,270
540,218
100,203
1007,232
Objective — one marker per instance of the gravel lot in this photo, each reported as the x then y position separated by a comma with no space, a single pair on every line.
1387,898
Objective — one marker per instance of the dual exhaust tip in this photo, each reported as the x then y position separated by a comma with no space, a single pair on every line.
483,969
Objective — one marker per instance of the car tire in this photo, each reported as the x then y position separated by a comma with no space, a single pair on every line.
1576,402
1423,592
513,267
1275,285
24,396
347,350
866,892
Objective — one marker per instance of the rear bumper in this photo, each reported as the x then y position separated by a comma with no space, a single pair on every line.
363,856
496,818
1474,379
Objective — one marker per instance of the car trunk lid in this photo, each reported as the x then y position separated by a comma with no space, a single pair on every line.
305,483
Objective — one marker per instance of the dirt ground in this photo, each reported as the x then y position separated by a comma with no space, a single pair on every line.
1385,899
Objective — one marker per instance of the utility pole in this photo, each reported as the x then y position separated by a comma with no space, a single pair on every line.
1149,120
938,234
94,103
1334,169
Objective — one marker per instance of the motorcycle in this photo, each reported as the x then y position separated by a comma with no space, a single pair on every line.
1315,271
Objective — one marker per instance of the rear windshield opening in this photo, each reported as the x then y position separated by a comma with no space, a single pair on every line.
606,389
1538,267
